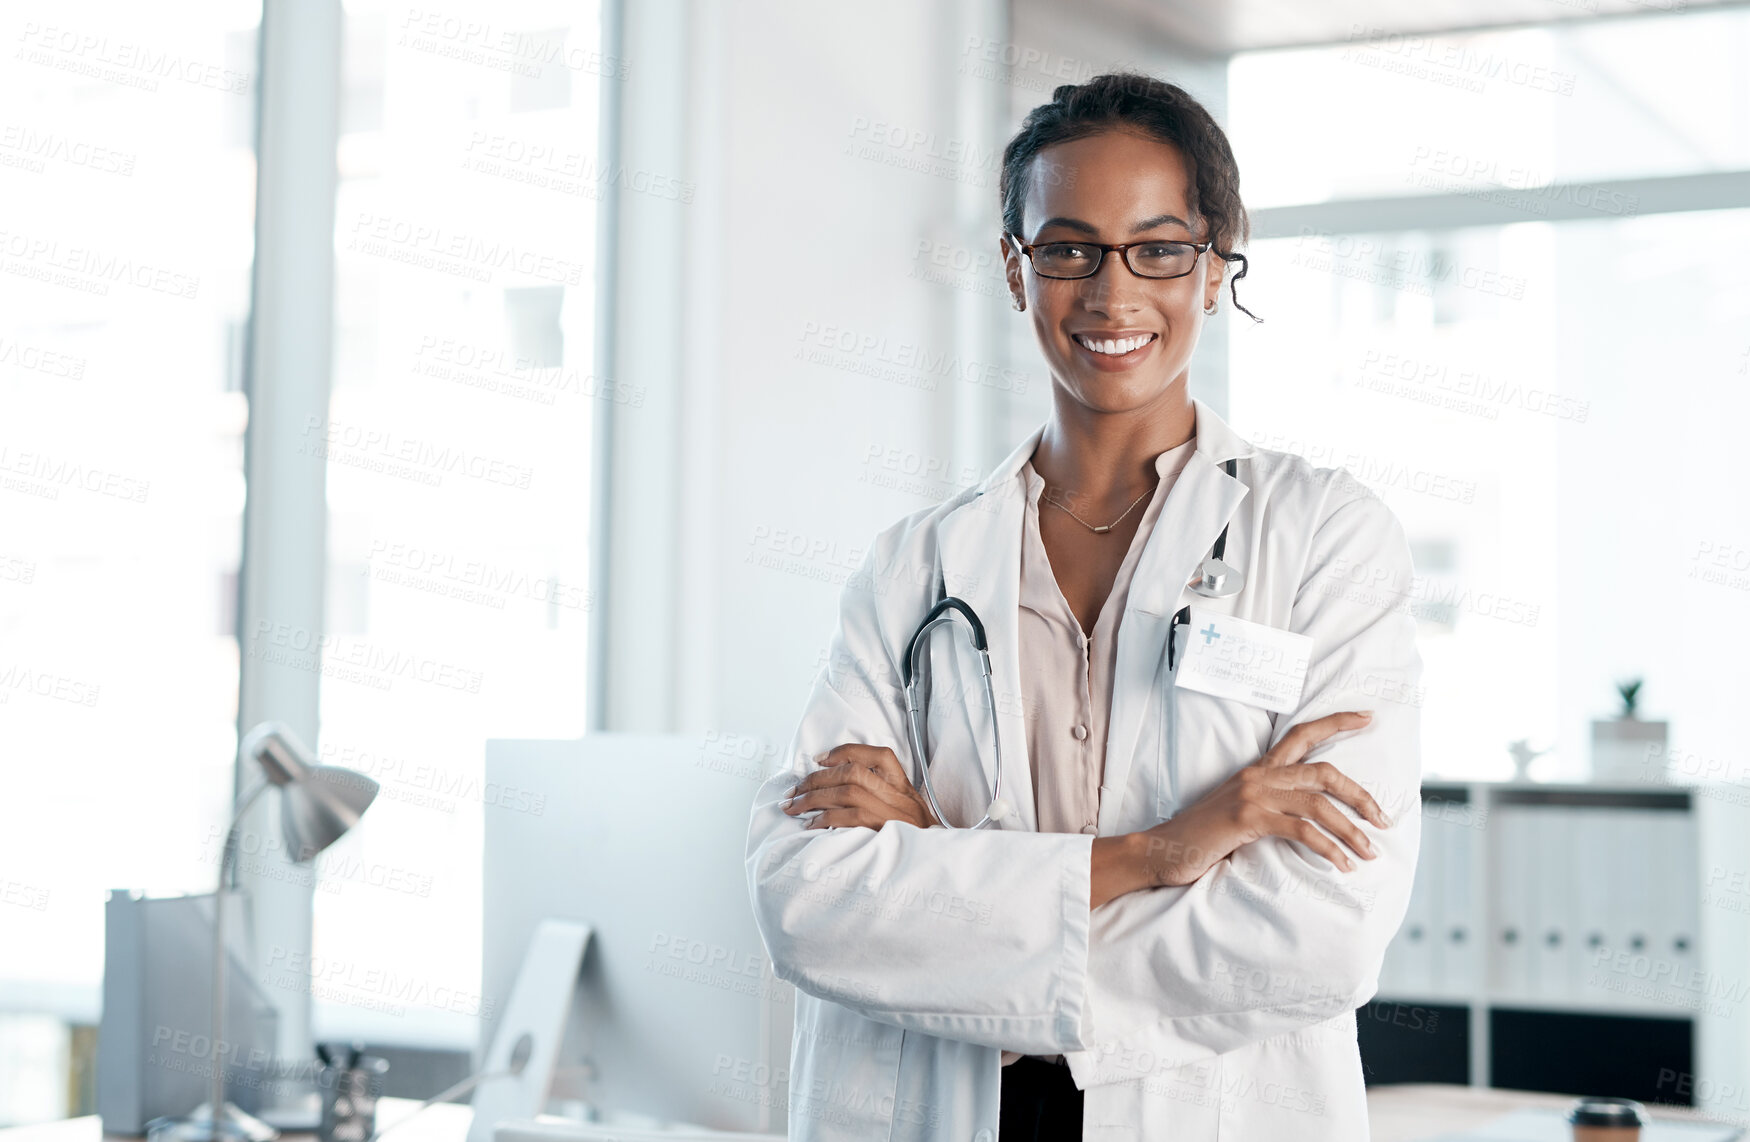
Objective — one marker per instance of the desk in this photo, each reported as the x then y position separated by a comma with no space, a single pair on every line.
1408,1113
1413,1112
446,1122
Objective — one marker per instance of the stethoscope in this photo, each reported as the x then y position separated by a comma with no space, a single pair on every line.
1216,579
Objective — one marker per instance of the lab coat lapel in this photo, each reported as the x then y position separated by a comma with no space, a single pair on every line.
1200,502
980,543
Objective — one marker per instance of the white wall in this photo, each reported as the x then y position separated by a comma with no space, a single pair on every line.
827,143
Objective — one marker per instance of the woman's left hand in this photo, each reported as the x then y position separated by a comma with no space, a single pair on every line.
860,785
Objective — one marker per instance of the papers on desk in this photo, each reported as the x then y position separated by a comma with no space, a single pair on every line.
1551,1126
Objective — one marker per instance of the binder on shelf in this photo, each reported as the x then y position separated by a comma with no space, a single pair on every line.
1555,871
1510,883
1456,947
1676,876
1595,839
1409,969
1633,907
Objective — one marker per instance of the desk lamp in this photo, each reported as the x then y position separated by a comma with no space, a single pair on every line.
318,804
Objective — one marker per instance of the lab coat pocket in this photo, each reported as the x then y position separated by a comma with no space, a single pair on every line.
1204,741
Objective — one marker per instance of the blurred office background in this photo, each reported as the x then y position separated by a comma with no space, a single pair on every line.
591,342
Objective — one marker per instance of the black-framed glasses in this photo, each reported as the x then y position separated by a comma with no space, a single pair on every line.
1152,259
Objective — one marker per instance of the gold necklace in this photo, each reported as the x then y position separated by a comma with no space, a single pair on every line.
1089,526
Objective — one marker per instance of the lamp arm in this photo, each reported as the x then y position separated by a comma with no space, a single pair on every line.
226,859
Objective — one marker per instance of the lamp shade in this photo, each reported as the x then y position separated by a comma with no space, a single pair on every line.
318,803
319,807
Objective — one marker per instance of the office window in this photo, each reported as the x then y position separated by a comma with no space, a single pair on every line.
1493,112
459,467
1543,403
127,168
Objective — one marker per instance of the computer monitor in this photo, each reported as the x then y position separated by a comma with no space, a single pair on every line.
677,1015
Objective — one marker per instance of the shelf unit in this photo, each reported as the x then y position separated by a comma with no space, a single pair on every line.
1612,901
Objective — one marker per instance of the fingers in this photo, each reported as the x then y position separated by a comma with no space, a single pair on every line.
1305,832
1296,743
844,796
1317,807
851,794
847,818
878,758
1324,775
846,772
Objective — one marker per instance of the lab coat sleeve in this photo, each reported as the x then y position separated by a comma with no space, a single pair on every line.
1275,938
976,935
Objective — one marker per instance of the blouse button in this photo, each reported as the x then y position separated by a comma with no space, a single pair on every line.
1090,828
1080,733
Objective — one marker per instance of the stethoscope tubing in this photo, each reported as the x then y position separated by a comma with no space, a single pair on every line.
1231,581
943,612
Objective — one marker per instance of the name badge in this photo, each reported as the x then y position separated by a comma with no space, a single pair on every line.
1226,657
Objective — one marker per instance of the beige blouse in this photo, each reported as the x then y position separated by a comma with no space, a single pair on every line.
1066,675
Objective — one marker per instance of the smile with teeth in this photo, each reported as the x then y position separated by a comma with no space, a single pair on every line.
1115,348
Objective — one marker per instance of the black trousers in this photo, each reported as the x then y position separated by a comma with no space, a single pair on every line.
1040,1103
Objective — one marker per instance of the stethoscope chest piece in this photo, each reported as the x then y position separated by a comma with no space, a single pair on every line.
1217,580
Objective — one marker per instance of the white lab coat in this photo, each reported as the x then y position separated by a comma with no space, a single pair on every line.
1220,1010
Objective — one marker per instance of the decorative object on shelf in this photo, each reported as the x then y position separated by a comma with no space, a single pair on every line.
1626,748
1523,755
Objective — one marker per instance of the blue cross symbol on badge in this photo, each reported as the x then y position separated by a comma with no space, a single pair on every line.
1209,633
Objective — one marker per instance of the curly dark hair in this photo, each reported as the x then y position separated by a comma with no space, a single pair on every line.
1160,110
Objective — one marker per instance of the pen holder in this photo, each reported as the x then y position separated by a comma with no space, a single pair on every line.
349,1098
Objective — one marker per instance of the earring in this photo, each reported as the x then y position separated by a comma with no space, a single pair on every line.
1210,308
1017,303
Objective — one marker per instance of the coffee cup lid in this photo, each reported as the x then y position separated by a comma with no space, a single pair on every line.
1607,1112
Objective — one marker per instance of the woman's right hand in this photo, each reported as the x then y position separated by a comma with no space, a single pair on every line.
1278,795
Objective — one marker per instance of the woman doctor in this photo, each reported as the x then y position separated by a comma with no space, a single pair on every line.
1183,895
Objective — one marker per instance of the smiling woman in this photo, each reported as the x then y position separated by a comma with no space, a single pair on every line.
1187,895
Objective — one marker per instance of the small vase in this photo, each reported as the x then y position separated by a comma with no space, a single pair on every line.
1628,751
